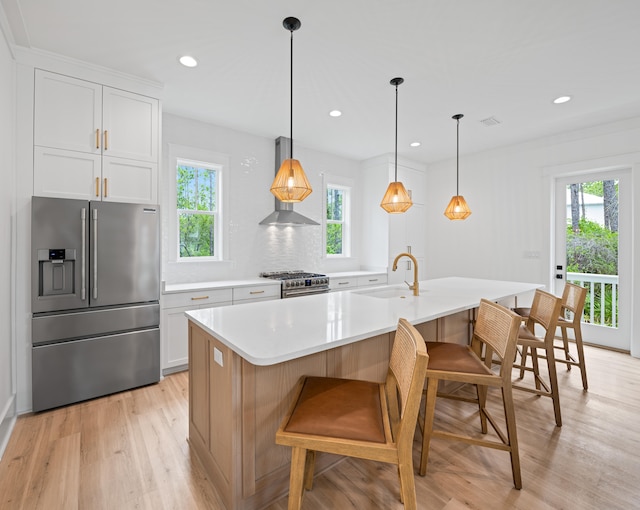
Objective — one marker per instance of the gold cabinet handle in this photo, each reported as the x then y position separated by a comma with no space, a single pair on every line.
105,188
97,186
97,138
106,140
198,298
256,292
344,283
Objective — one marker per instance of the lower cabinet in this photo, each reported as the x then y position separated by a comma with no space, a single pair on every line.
174,324
353,282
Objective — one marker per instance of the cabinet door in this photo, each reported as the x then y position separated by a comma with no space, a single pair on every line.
174,333
130,124
66,174
67,113
125,180
174,330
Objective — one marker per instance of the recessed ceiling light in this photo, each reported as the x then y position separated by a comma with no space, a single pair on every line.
415,144
335,113
561,99
188,61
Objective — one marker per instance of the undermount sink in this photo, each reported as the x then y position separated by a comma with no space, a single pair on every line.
387,293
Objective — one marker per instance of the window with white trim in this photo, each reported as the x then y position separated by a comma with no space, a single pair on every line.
198,197
337,224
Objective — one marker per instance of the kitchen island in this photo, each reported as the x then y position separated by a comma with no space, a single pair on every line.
244,362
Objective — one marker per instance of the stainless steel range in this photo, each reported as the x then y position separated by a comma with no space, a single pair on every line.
299,283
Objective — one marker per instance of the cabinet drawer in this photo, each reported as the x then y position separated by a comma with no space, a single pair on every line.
197,299
256,292
378,279
343,283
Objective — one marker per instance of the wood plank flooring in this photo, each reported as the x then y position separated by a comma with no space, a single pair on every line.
129,451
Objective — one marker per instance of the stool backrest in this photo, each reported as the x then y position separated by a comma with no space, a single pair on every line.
405,380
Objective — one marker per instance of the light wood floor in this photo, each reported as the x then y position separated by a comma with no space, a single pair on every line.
130,451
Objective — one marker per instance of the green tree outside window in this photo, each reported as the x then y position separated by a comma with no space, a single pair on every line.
197,204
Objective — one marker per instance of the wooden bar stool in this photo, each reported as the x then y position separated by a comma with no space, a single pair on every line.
495,332
360,419
545,312
573,298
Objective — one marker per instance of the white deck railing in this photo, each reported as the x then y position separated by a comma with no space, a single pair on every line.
590,281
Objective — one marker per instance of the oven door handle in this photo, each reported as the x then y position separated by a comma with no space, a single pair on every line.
304,292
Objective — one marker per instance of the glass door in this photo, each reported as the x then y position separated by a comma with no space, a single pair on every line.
593,250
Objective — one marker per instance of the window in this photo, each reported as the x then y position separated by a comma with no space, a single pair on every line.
337,221
198,209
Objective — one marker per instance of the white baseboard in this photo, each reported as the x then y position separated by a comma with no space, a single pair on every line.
7,422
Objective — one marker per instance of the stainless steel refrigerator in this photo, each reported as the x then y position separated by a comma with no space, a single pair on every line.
95,299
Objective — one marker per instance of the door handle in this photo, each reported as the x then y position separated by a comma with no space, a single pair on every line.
97,186
83,267
97,138
106,140
95,254
105,188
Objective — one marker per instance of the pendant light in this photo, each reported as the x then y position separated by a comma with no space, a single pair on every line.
290,183
457,208
396,199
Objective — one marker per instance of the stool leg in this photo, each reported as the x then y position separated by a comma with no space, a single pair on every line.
512,435
565,345
429,412
553,379
309,466
583,367
296,480
481,391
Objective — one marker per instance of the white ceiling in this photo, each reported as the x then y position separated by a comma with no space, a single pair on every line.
506,59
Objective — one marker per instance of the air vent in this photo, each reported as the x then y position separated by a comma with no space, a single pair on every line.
490,121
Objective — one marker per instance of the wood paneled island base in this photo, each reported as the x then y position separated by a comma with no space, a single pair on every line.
235,405
235,409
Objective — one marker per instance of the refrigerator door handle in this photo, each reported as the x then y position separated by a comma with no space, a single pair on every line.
95,254
83,267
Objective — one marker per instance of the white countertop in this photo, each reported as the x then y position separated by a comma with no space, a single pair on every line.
270,332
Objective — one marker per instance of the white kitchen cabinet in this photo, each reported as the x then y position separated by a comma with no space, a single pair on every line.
94,142
174,324
355,281
250,294
342,283
374,279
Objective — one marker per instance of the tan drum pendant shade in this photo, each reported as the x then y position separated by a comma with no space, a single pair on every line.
290,183
396,199
457,208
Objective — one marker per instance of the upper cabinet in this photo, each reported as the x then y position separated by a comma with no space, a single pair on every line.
94,142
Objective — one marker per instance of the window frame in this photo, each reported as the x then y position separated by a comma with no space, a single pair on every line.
346,219
200,158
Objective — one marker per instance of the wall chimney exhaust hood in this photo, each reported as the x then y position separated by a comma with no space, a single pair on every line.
284,215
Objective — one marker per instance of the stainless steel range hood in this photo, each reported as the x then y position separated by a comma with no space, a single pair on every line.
284,214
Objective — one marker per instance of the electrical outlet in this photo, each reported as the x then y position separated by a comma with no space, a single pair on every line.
217,356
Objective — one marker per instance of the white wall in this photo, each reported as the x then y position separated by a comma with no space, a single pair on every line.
509,193
7,229
253,248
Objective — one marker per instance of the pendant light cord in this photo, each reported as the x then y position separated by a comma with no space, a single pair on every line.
457,157
291,99
396,149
